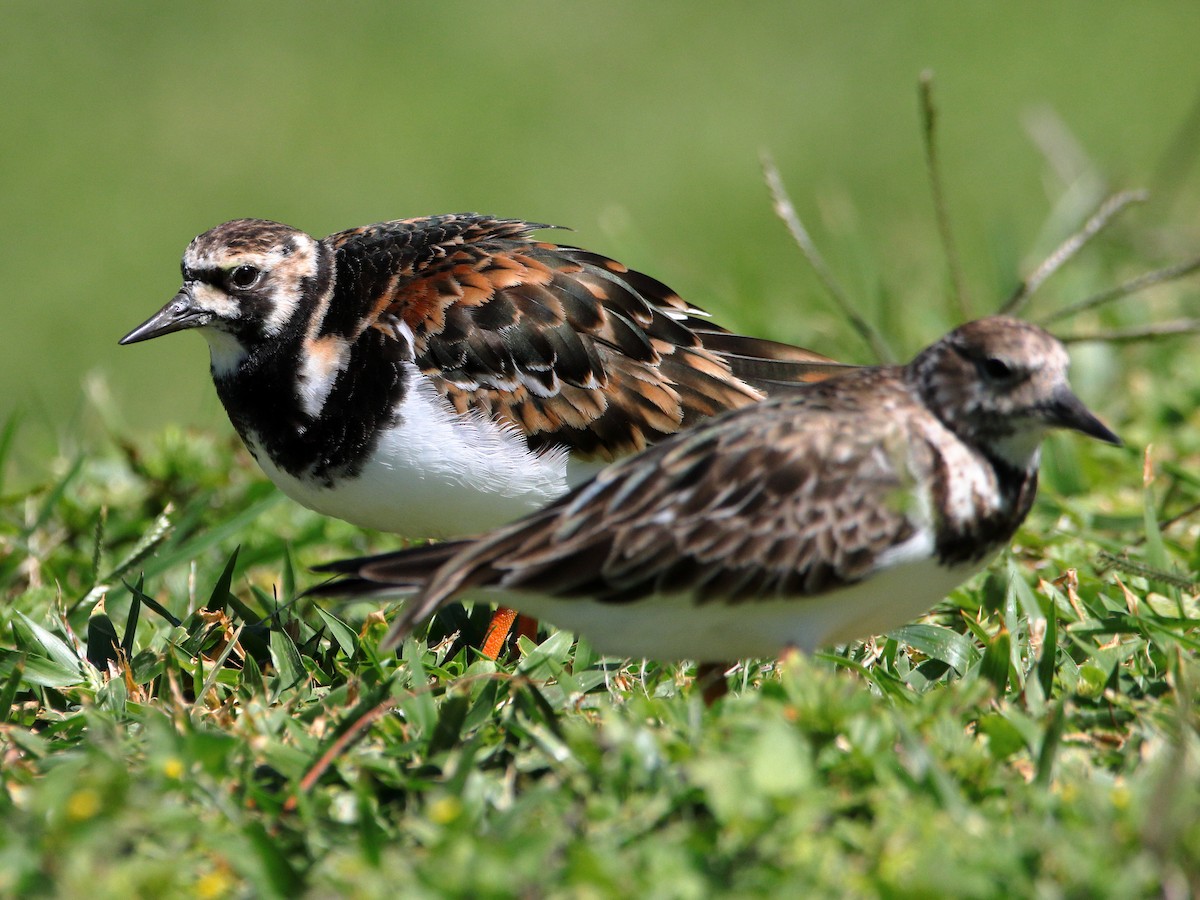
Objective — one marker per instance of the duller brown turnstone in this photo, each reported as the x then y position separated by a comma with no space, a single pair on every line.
440,376
812,518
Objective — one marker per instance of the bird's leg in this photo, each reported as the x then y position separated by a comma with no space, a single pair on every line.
503,621
710,679
497,632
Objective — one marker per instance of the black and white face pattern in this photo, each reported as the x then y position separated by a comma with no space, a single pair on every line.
1001,384
245,283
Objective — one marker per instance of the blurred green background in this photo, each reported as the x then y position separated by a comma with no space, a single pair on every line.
128,128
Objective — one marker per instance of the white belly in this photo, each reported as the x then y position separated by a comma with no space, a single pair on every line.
437,474
672,627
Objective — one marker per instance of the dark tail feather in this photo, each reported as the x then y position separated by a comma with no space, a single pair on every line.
411,564
353,586
771,365
398,572
388,574
772,375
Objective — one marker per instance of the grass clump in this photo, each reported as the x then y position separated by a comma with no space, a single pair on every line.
174,719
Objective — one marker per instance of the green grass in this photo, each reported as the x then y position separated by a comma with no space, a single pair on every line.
176,721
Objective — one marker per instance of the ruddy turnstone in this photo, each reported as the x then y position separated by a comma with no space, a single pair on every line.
441,376
813,518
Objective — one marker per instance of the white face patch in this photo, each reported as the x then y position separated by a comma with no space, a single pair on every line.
287,274
214,300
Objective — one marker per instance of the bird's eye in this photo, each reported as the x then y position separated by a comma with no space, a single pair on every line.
996,369
244,277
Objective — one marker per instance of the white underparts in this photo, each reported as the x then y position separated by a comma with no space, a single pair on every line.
437,474
672,627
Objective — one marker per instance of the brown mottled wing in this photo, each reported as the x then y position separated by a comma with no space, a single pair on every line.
794,496
572,348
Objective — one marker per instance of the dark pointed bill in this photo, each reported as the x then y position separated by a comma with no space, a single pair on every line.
1068,411
179,314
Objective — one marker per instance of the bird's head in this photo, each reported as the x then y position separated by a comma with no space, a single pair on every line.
1001,384
243,283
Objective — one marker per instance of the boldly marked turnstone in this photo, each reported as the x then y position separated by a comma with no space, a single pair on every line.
812,518
440,376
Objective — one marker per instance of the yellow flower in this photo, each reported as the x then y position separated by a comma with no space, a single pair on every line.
83,805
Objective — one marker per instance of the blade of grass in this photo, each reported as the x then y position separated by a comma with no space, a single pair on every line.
996,661
280,878
1049,750
143,597
39,671
54,647
418,705
102,641
221,592
1046,663
287,660
342,634
98,544
452,715
8,694
219,664
941,644
53,498
131,624
7,438
288,574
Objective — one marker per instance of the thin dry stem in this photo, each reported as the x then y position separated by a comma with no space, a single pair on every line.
786,210
1137,333
344,740
940,209
1068,248
1133,286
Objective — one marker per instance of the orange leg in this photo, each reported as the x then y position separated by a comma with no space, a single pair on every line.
502,623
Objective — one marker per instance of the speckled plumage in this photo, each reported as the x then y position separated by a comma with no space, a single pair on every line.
817,516
437,376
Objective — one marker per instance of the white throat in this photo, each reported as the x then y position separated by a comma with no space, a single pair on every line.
1022,449
225,351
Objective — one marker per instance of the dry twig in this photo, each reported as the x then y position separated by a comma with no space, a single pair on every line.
1133,286
1068,248
786,210
940,210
